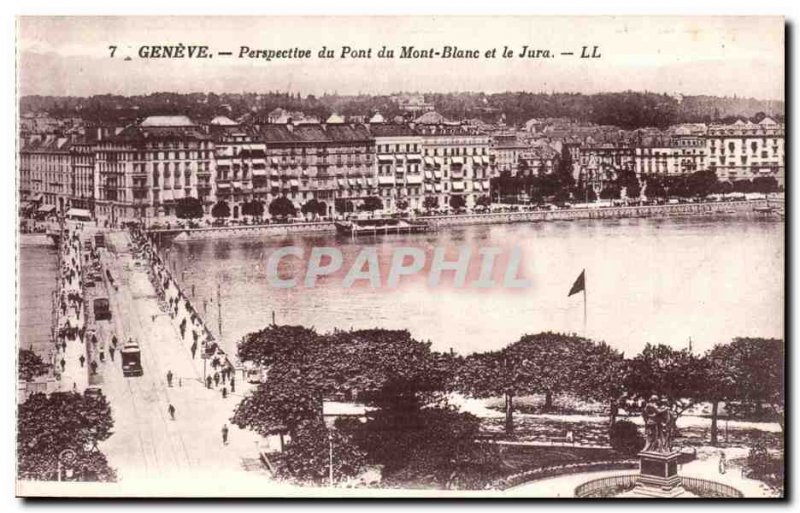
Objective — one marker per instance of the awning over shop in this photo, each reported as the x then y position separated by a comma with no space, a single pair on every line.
428,187
437,187
294,182
399,169
237,185
37,198
458,186
342,182
275,183
222,185
457,161
437,175
352,181
79,213
385,158
46,208
414,158
428,175
428,161
414,179
478,186
259,172
438,160
386,180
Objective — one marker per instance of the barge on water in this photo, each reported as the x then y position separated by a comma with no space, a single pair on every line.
380,226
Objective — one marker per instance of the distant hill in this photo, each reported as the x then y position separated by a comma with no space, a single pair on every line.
627,110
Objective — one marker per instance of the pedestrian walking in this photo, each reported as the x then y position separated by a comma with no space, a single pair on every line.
225,434
169,378
233,385
111,352
94,366
208,381
194,348
171,411
216,379
224,392
63,365
102,356
82,359
114,341
722,463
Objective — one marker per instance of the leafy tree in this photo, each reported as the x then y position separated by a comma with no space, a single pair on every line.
627,179
430,203
48,425
282,207
371,204
457,202
307,457
483,201
277,345
189,208
310,207
546,363
253,208
701,183
402,205
750,371
221,209
675,375
601,375
428,444
31,365
765,184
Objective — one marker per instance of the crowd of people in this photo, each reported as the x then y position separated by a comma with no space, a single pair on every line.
190,325
70,307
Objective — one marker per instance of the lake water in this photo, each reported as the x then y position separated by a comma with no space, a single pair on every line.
648,280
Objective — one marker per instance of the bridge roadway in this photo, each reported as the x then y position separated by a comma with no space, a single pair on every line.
147,447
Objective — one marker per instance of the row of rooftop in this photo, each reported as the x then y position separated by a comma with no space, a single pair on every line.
283,127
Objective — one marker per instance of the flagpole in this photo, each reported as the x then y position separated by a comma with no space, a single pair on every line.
584,312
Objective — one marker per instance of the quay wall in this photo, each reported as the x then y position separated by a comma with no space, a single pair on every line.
681,209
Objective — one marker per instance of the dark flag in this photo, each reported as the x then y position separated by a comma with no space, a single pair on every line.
579,285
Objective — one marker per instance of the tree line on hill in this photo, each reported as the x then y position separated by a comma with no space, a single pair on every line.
627,110
410,428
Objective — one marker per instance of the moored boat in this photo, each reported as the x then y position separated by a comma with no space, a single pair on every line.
379,226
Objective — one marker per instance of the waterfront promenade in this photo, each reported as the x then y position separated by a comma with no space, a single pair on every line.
442,221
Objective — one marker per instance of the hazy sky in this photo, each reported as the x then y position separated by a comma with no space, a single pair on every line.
690,55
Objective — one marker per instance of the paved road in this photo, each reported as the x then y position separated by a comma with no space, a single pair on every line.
147,446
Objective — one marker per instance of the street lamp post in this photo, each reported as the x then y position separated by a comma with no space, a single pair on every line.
65,456
330,458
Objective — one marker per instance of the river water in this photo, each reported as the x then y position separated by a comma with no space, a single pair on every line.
667,280
37,265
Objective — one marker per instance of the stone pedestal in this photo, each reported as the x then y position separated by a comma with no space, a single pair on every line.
658,475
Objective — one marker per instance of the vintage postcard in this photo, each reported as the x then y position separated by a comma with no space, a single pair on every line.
430,256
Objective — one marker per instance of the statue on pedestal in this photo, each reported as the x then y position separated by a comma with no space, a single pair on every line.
659,426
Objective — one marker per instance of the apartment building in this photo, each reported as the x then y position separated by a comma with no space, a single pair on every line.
457,162
142,171
746,150
399,168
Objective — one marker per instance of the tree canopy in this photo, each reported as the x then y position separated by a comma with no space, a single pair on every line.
50,424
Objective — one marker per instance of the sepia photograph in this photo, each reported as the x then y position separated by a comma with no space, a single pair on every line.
400,257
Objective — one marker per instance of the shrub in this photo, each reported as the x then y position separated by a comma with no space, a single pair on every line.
625,437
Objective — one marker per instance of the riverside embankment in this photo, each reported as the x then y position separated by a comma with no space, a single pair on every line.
621,212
